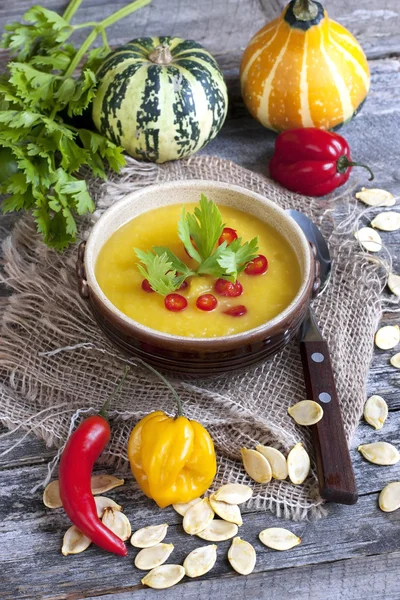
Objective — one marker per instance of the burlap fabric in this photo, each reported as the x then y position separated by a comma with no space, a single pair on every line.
54,360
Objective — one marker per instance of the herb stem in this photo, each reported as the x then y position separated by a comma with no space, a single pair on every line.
71,9
123,12
84,25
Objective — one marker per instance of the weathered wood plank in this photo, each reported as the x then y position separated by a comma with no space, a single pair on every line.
34,568
367,577
226,26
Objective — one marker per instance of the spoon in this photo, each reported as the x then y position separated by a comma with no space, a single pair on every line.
334,468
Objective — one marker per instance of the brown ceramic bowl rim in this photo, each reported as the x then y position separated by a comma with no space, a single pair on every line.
166,340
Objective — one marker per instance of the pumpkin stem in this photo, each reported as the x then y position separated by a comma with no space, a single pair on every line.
161,55
305,10
344,163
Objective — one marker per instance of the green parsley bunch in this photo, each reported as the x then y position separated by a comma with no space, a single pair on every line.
41,153
199,232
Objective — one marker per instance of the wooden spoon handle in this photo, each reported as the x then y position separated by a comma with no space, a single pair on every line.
335,471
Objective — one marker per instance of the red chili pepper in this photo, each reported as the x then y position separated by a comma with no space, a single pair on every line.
82,450
312,161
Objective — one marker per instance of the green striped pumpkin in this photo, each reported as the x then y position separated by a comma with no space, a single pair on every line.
160,98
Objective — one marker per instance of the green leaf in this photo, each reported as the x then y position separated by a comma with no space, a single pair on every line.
85,88
158,270
211,266
205,226
184,236
176,263
235,257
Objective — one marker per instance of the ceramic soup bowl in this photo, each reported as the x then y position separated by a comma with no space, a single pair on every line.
185,355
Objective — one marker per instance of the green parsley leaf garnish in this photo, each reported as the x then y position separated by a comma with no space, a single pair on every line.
38,93
166,272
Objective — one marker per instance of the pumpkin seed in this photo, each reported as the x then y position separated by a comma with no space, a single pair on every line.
228,512
298,463
387,221
380,453
101,484
276,460
242,556
218,531
395,361
102,503
256,465
389,498
198,517
278,538
233,493
306,412
51,495
184,506
369,239
150,558
376,411
164,576
149,536
376,197
200,561
387,337
74,541
117,522
394,284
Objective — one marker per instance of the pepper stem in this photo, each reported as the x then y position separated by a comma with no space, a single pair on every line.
106,405
161,55
344,163
177,398
305,10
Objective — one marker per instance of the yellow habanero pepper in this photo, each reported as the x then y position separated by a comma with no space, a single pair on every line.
172,459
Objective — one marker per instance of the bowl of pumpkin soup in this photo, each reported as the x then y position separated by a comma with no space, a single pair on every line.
197,277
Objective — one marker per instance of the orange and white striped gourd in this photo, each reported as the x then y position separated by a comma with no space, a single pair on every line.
304,70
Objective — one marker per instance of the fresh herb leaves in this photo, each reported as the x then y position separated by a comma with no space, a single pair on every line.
37,96
199,231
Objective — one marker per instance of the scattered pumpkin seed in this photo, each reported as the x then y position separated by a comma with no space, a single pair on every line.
149,536
298,463
227,512
380,453
394,284
278,538
389,498
387,221
256,465
276,460
369,239
395,361
102,503
164,576
242,556
74,541
101,484
376,411
376,197
234,493
117,522
306,412
198,517
184,506
51,495
150,558
200,561
387,337
218,531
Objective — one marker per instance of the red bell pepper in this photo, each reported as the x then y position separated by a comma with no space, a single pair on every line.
312,161
82,450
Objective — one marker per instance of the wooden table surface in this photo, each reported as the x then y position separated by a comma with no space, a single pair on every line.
353,553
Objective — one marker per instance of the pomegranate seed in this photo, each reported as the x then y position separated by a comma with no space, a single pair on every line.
183,285
226,288
146,286
257,266
206,302
236,311
175,302
228,235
